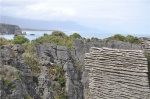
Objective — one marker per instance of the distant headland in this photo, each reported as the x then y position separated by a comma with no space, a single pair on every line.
10,29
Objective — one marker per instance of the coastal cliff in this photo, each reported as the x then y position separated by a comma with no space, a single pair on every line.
10,29
51,71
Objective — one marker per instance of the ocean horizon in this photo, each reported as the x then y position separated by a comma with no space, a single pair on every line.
98,35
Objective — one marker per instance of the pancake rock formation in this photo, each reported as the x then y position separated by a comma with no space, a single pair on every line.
116,74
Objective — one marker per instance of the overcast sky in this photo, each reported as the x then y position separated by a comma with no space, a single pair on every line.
119,16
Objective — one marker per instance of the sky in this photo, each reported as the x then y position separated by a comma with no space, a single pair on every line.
116,16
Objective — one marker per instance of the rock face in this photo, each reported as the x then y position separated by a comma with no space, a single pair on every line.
44,84
73,61
17,80
24,85
74,86
10,29
146,44
116,74
82,46
62,56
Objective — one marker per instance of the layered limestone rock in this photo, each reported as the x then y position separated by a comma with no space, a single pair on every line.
116,74
10,29
146,44
72,60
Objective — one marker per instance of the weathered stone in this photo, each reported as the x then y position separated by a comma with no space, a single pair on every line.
116,74
44,84
60,55
146,44
73,81
23,85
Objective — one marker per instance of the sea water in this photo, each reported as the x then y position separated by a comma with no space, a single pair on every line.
38,34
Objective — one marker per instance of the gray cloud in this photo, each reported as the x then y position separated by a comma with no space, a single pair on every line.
93,13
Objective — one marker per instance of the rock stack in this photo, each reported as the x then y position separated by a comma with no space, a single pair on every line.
117,74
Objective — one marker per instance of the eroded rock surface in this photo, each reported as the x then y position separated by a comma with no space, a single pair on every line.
146,44
74,86
17,79
116,74
44,84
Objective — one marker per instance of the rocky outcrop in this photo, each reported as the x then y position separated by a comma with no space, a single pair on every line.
82,46
17,80
10,29
74,86
44,84
116,74
61,56
73,61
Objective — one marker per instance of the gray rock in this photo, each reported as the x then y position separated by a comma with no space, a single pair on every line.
73,81
146,44
23,85
116,74
44,84
10,29
63,54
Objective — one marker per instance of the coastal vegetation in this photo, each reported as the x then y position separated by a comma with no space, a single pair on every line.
56,73
128,38
19,39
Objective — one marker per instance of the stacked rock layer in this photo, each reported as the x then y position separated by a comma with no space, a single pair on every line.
146,44
117,74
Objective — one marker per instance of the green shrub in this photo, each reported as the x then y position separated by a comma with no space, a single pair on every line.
20,40
4,41
8,85
75,35
61,80
33,63
45,34
28,97
58,33
119,37
7,82
128,38
58,38
88,40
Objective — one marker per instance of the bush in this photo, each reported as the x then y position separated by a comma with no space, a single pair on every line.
119,37
20,40
58,38
61,80
75,35
58,33
128,38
